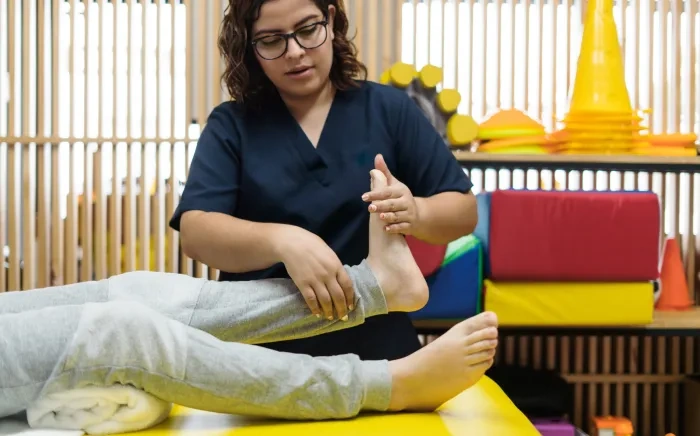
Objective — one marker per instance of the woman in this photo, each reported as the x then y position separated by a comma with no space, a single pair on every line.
277,185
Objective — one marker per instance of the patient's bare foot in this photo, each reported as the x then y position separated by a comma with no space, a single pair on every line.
392,263
444,368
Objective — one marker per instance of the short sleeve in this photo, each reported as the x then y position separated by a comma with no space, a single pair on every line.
213,180
425,163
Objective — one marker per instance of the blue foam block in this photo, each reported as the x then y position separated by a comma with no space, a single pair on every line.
455,288
483,226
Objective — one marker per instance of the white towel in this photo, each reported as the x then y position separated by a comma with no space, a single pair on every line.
98,410
16,427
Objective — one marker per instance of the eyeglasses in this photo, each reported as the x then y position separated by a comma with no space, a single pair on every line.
311,36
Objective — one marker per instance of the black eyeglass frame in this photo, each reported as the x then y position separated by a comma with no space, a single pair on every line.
288,36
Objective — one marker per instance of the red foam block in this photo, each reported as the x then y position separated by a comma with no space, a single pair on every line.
578,236
429,257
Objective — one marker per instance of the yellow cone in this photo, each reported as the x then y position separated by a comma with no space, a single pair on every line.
600,78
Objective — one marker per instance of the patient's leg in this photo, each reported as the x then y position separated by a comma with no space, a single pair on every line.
253,311
100,344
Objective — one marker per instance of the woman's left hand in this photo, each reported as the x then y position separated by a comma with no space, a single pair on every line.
395,203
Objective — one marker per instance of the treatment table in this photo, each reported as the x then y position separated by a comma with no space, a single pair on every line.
482,410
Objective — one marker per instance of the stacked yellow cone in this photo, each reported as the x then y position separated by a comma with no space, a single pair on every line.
600,117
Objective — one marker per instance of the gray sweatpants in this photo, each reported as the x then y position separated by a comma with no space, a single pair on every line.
187,341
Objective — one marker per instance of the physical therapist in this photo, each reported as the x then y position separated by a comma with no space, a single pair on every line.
279,181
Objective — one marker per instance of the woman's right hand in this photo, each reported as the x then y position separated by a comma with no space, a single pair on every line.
318,273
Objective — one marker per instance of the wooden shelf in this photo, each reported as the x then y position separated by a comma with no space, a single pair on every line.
583,161
663,320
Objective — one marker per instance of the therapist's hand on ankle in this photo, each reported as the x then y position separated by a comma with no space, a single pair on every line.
394,203
318,273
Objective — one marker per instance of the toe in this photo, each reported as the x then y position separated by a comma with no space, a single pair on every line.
491,319
489,333
476,323
486,345
481,357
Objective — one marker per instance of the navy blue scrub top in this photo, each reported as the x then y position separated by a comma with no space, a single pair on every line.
262,167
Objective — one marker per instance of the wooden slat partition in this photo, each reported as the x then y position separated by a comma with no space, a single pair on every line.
637,376
101,106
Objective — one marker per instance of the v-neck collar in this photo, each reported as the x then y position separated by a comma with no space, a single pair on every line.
324,129
314,158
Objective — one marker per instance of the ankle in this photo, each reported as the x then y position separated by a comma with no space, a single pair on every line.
400,371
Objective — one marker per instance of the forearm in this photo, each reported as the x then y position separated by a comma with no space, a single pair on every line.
228,243
445,217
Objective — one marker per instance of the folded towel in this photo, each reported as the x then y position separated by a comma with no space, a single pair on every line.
15,427
98,410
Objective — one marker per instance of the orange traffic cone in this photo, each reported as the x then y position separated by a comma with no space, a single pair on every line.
674,287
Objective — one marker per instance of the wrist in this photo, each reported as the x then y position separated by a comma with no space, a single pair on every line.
421,217
278,236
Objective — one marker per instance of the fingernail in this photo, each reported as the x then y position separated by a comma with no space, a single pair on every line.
372,208
345,318
365,197
318,315
351,307
330,318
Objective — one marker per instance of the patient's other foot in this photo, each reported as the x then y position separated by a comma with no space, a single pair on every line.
446,367
392,263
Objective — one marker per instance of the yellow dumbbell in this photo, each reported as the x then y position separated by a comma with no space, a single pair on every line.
461,130
401,74
448,100
430,76
385,78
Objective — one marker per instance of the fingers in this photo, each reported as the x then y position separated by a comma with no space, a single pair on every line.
381,165
324,300
394,217
311,300
348,288
390,205
380,194
398,228
338,297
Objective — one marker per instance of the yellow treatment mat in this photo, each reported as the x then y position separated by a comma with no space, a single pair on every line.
482,410
570,304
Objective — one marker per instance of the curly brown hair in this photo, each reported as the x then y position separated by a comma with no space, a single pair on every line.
243,76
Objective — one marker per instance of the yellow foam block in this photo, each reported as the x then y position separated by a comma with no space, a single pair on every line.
570,304
481,410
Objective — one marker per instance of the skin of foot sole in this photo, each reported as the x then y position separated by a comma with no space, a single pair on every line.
392,263
443,369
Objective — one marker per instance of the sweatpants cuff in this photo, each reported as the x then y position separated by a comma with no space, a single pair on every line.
369,295
377,379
